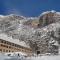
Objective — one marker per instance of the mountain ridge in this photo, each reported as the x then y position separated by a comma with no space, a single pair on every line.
36,32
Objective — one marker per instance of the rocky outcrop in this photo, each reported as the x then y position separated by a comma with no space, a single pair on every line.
48,17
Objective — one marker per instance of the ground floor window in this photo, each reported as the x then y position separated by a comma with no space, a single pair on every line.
0,49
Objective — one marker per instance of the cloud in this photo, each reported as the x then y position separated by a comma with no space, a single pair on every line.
13,11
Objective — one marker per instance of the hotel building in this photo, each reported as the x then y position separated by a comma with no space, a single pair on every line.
7,44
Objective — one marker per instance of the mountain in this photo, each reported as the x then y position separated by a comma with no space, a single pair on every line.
40,33
44,19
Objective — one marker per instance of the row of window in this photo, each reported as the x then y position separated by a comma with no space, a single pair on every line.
12,44
9,47
4,46
3,50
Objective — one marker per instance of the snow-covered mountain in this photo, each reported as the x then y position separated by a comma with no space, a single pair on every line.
40,33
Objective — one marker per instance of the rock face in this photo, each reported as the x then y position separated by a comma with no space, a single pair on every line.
48,18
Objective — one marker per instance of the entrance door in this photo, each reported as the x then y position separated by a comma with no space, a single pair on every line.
38,52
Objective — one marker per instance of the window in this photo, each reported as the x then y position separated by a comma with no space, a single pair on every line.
12,44
0,49
1,41
4,46
9,46
9,43
3,50
12,51
5,42
15,45
18,46
6,50
9,50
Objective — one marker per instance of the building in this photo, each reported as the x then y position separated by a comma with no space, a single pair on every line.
7,44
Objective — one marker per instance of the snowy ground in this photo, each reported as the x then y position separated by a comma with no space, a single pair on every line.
2,57
45,58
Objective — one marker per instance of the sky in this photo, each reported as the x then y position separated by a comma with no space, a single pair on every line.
29,8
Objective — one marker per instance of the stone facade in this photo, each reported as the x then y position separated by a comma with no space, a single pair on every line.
6,46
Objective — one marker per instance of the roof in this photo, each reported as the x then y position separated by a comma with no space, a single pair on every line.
16,41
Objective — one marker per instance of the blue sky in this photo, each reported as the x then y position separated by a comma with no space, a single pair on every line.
28,7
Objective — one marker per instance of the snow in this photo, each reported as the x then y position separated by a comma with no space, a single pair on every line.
56,43
5,57
10,39
58,13
45,58
45,13
16,53
52,11
21,53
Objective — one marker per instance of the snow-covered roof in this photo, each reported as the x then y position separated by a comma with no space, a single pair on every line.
10,39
